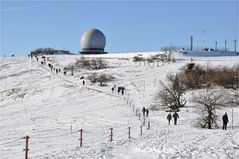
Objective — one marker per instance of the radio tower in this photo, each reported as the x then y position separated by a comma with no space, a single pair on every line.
203,39
235,45
216,46
226,45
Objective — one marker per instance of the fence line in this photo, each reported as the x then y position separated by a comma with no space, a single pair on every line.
114,136
55,136
9,142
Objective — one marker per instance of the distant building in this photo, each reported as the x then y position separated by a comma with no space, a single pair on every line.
207,49
61,52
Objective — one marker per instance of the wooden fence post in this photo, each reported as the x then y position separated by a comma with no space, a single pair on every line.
144,121
129,132
111,134
26,149
148,126
232,119
81,137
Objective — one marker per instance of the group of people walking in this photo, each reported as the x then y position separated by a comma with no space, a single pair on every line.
57,70
175,117
145,112
120,89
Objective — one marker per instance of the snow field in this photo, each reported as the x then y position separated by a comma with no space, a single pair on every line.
52,108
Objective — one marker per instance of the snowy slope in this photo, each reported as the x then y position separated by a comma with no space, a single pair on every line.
51,108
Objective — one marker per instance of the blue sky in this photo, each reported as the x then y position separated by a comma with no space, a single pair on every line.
127,25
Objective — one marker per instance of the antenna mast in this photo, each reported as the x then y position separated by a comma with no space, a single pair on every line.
203,39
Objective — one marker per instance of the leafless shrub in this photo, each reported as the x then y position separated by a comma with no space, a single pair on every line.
226,77
156,57
207,102
83,62
98,63
138,58
171,94
197,77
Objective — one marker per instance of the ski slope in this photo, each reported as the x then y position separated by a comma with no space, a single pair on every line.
51,108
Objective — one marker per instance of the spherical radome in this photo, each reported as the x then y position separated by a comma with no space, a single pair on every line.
93,39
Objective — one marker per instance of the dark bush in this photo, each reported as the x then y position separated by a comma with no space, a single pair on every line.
94,78
137,58
197,77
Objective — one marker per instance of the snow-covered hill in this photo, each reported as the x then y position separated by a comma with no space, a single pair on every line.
51,108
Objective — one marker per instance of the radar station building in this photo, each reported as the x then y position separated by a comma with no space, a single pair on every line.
93,42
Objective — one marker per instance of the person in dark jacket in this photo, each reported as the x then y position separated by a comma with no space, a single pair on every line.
169,117
147,112
143,110
122,91
225,121
175,117
119,89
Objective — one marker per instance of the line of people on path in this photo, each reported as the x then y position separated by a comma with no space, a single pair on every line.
52,68
57,70
145,111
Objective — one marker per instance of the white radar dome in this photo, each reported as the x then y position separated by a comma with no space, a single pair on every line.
93,39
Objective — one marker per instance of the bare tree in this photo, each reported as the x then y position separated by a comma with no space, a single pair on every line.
83,62
207,102
168,51
98,63
171,94
95,63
